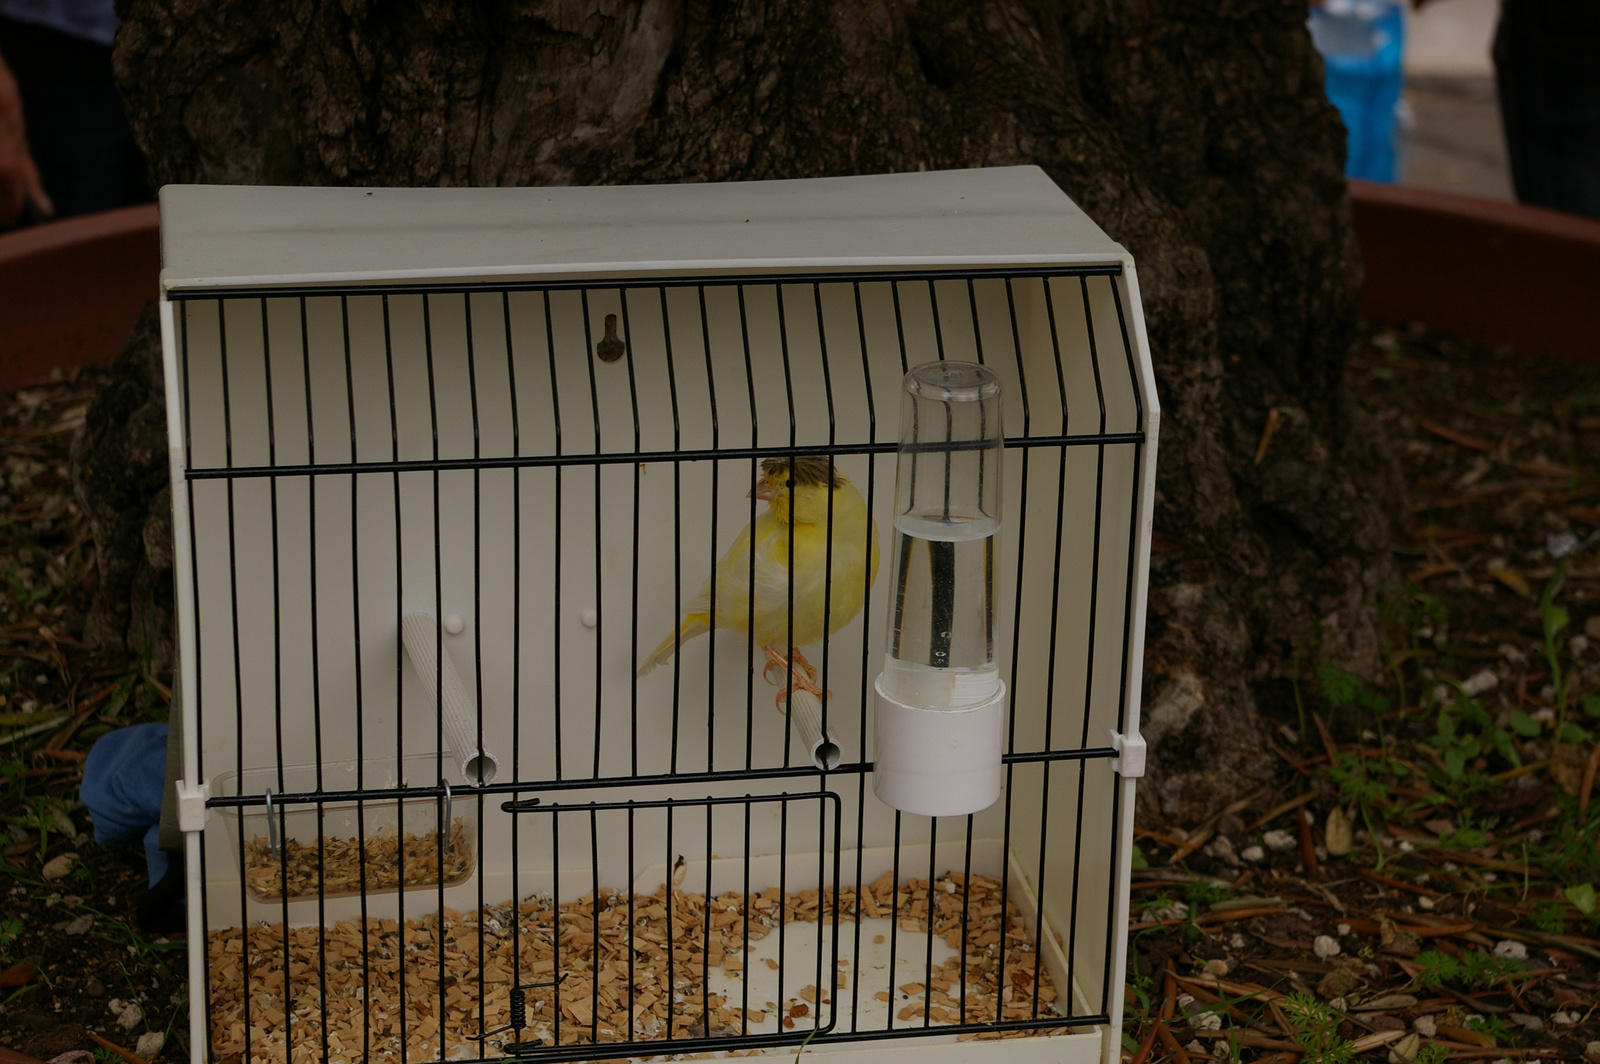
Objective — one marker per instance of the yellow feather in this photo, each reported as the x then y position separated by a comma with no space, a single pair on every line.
825,598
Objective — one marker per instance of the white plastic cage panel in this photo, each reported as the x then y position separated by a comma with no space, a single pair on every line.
432,534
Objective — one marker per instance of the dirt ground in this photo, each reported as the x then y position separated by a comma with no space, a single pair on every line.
1418,883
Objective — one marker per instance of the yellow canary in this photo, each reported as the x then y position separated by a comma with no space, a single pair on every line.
797,495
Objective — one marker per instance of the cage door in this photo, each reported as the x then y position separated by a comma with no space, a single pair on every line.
697,924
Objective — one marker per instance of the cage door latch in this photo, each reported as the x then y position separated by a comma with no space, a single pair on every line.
192,805
1129,762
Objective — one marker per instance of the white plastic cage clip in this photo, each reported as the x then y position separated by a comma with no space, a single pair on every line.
1129,762
191,805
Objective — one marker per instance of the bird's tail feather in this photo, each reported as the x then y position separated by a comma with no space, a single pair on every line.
694,624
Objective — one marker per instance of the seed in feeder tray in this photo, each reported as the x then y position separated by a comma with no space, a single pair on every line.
337,866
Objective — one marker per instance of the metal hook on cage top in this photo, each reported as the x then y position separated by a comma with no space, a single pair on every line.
610,348
272,826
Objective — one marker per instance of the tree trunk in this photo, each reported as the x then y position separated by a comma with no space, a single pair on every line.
1197,135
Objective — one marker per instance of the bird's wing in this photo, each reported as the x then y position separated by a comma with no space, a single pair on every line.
732,583
693,624
732,586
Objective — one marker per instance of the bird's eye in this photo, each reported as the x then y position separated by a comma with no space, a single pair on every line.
789,483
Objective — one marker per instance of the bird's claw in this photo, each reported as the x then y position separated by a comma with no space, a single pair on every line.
797,675
800,660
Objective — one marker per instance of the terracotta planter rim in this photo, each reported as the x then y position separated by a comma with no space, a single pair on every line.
1481,270
70,290
50,236
1517,217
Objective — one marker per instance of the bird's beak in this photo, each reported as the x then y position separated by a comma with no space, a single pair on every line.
764,491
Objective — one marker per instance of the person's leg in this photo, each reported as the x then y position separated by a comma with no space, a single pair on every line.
1548,74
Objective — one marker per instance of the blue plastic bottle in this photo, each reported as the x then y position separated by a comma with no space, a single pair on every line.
1362,42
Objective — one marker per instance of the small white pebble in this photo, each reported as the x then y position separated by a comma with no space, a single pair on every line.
1425,903
131,1016
150,1044
1566,1019
1238,941
1208,1021
1511,950
1217,966
1479,682
1426,1026
1325,946
1343,929
1280,841
1253,854
1406,847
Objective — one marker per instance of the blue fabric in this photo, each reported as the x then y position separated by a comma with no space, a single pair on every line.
123,778
87,20
1362,44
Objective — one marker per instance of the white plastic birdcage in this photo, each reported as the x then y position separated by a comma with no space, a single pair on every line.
447,464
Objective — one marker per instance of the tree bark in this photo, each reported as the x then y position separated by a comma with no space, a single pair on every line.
121,478
1197,135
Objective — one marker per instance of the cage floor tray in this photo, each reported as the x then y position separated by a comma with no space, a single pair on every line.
749,967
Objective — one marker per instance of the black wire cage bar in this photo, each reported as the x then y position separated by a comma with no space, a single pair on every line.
429,531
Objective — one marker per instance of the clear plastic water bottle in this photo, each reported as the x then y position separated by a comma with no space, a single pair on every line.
1362,44
947,520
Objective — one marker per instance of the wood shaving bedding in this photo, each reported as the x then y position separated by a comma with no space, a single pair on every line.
347,981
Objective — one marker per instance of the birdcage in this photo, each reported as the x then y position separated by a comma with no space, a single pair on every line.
447,464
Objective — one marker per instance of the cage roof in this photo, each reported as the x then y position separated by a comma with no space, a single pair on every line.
231,236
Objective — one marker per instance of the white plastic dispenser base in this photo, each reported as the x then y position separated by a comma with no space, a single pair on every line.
938,762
